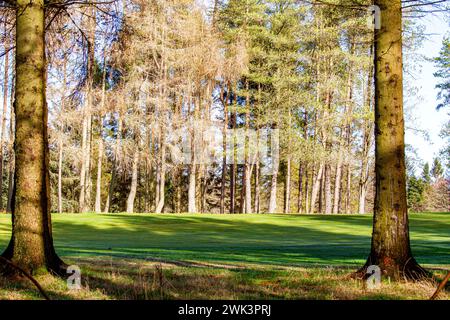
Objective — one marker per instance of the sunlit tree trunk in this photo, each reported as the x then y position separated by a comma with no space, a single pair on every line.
233,169
134,182
391,249
3,116
368,133
11,153
316,188
273,184
98,191
31,245
162,180
287,187
300,189
247,169
114,169
224,155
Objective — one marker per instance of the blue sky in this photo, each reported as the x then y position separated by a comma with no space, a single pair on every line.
427,117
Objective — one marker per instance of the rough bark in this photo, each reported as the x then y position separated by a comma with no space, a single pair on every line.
31,246
390,248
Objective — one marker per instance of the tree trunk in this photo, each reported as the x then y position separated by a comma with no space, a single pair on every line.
31,245
192,205
60,163
367,144
300,189
134,181
348,197
337,186
233,167
3,116
390,248
306,190
287,188
116,156
224,155
162,179
85,173
11,154
247,167
98,191
82,200
192,208
274,181
257,176
316,188
327,189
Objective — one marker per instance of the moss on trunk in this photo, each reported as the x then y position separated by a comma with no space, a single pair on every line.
31,245
390,240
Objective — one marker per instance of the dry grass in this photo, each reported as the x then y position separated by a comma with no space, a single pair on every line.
138,279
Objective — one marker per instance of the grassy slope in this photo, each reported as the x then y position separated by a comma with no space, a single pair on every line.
229,256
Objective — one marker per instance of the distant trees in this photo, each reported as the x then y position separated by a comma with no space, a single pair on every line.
124,76
443,64
429,191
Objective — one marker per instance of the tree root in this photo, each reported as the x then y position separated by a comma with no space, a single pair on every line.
26,274
441,286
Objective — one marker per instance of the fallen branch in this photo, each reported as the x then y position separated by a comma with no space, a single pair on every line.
26,274
441,286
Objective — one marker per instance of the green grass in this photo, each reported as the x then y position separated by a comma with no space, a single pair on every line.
228,256
259,239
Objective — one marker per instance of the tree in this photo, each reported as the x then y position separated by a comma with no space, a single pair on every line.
426,173
390,248
443,64
437,171
416,189
31,245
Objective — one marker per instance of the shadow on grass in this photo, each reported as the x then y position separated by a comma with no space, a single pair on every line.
259,239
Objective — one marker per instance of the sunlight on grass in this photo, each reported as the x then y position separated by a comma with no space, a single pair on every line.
227,256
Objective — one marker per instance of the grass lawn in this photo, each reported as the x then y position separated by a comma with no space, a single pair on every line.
228,256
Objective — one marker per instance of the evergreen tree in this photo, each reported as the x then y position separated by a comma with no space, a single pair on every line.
426,177
437,171
443,64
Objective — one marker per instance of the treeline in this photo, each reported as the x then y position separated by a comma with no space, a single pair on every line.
124,76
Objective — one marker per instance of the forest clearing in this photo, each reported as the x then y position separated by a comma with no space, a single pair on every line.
225,149
229,256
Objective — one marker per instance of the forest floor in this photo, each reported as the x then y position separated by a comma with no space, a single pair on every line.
228,257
